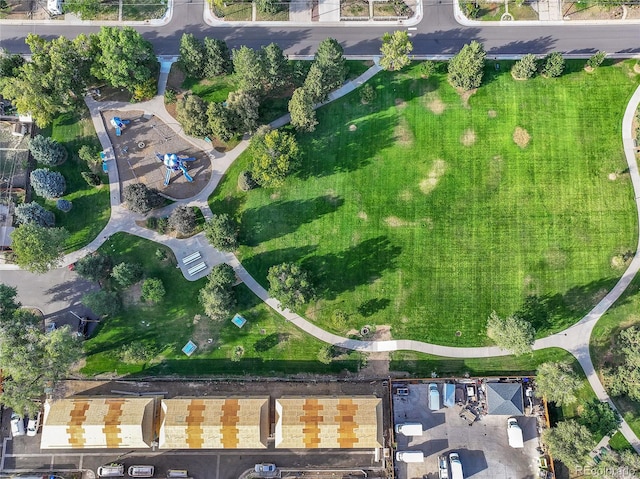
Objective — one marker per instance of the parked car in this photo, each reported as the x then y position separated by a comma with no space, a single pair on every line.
265,468
50,327
33,425
17,425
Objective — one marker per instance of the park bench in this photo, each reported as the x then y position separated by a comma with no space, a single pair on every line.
197,268
191,258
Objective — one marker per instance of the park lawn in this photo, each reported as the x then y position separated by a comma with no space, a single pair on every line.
271,345
91,206
622,315
419,211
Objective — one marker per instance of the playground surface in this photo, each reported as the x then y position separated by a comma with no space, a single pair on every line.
136,148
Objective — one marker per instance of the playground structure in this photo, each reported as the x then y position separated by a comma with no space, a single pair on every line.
174,163
119,124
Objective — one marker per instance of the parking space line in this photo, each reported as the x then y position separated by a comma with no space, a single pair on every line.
53,460
218,467
81,461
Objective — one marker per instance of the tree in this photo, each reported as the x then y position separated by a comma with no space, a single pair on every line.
330,58
217,58
557,382
153,290
315,85
94,267
511,333
596,59
61,351
91,178
47,151
102,302
250,69
192,56
303,116
525,68
395,50
38,249
217,297
427,68
141,199
467,67
274,155
137,352
625,379
245,181
222,232
289,284
48,184
127,274
183,220
89,153
243,106
277,67
33,213
325,354
569,442
124,59
553,65
64,205
220,121
10,64
8,303
600,418
191,113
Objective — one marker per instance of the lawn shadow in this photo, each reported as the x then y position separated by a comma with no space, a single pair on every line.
555,312
258,265
280,218
270,341
358,265
372,306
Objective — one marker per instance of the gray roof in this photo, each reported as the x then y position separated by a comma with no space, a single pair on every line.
505,399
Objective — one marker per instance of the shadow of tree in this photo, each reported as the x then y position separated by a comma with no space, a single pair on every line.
283,217
270,342
372,306
344,271
258,265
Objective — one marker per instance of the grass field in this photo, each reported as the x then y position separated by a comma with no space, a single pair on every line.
91,207
420,211
270,345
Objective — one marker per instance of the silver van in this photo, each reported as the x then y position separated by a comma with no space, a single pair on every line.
141,471
434,397
111,470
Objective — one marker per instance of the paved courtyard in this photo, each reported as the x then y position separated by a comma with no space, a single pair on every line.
483,446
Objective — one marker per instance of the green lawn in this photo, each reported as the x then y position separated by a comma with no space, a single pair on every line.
234,11
91,207
420,211
270,344
143,9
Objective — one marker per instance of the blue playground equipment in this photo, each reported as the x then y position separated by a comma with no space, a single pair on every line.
118,124
174,163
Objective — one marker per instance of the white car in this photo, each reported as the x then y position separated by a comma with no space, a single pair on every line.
264,468
33,425
17,425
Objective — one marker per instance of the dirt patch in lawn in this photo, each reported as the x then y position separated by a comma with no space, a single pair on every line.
400,103
363,216
521,137
437,170
437,106
465,96
395,222
132,295
468,138
353,127
405,195
403,134
492,113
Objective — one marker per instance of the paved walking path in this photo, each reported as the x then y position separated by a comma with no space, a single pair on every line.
574,339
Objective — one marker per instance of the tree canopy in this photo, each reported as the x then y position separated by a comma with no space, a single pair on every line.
569,442
467,67
625,379
38,249
395,50
511,333
303,116
290,285
47,151
35,214
218,297
124,58
275,155
557,382
94,267
222,232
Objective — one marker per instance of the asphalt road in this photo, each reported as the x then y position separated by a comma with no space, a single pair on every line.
438,33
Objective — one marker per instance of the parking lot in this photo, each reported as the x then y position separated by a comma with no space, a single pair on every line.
22,455
483,445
